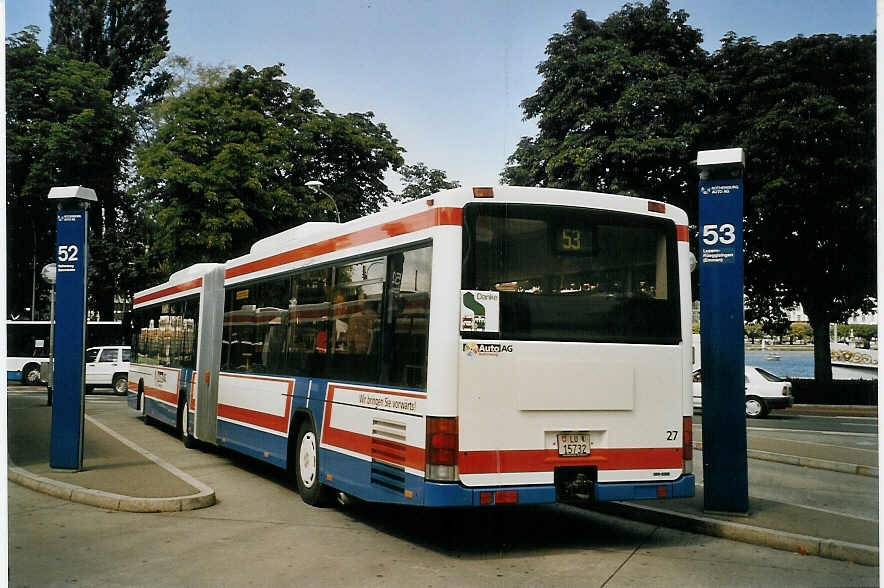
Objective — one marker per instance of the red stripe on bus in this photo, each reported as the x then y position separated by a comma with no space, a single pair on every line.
416,222
157,394
682,233
362,444
170,290
544,460
257,418
253,417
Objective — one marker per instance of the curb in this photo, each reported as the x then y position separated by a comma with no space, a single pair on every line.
202,499
782,540
808,462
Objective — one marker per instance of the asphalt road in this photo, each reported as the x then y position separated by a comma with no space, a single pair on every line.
261,533
838,430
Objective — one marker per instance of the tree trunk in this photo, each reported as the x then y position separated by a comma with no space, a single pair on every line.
822,354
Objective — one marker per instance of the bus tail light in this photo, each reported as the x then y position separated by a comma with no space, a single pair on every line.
441,452
687,437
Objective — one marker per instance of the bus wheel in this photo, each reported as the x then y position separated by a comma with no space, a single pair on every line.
30,375
183,417
307,467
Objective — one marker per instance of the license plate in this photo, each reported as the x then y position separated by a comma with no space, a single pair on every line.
573,444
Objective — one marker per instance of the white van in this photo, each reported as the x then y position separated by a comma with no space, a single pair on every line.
108,367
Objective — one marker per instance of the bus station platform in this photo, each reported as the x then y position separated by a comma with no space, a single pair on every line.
120,475
116,474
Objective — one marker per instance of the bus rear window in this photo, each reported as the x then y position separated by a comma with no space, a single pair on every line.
574,274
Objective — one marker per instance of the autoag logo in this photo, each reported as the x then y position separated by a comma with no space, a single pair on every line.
484,349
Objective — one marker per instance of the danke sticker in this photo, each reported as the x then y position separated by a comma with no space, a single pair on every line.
479,311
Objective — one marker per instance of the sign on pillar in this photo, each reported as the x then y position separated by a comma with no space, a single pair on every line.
725,469
72,256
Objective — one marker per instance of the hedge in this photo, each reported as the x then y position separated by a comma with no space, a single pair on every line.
859,392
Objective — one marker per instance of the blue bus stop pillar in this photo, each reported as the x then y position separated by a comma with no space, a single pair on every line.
66,437
725,469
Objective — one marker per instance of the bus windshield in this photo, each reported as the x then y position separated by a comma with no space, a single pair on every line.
574,274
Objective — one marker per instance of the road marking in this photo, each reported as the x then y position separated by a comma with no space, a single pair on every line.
814,443
774,429
848,433
835,417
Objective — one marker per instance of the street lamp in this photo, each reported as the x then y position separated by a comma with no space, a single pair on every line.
316,186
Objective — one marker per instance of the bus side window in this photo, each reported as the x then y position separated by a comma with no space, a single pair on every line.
407,319
309,311
358,294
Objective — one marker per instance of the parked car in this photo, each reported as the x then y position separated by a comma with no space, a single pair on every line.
108,367
764,391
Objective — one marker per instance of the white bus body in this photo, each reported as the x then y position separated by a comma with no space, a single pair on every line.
28,345
478,347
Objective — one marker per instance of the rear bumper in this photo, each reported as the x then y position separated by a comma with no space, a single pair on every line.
778,401
447,495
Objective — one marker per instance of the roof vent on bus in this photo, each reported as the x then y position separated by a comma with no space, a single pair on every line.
301,232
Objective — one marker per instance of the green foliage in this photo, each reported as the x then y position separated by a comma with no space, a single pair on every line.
804,110
127,37
800,330
421,181
619,107
229,160
60,122
625,104
753,331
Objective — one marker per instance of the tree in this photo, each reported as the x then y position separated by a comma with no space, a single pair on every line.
800,331
753,331
625,104
59,120
804,110
619,107
128,38
229,161
421,181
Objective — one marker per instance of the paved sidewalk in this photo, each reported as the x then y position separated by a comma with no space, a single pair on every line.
116,473
120,475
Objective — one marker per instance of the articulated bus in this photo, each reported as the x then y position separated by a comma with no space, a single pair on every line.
28,345
478,347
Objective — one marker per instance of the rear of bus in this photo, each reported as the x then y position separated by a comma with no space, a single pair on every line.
574,359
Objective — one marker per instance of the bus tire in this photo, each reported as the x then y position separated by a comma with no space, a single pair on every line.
30,375
307,467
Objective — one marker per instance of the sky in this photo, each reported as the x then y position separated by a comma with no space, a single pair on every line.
445,76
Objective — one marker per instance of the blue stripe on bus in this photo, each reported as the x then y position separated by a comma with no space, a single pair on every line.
253,442
680,488
13,375
160,411
354,476
453,494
